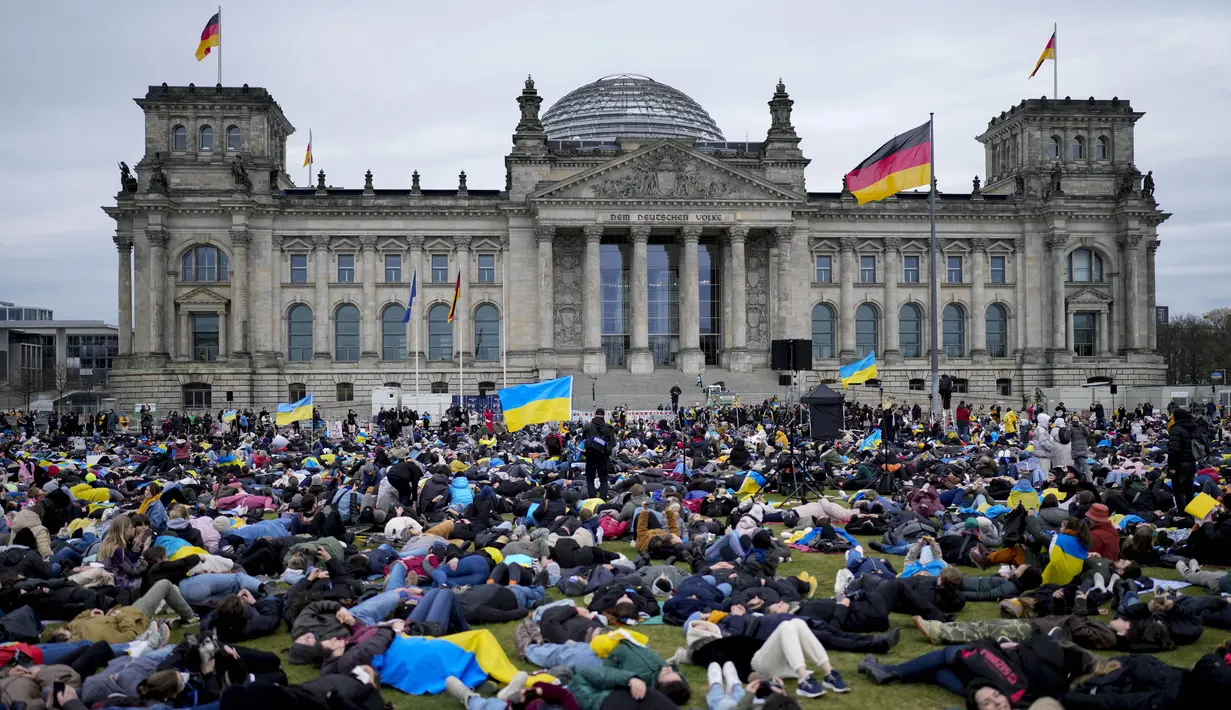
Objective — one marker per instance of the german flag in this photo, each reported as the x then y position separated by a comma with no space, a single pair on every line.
211,36
457,291
1049,52
902,163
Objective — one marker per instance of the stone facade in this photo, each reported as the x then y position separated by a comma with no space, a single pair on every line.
1047,274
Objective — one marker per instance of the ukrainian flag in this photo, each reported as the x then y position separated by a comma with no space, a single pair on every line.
294,412
860,371
872,441
230,415
548,401
1068,556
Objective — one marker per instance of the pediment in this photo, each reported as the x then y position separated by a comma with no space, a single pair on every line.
666,171
1089,296
203,297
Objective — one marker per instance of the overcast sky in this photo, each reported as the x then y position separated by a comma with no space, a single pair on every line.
399,86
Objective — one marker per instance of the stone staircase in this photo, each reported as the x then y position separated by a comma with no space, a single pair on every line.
620,388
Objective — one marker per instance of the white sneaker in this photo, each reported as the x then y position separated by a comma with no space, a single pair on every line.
1194,566
458,689
514,687
730,677
1099,584
137,648
1182,568
713,675
843,578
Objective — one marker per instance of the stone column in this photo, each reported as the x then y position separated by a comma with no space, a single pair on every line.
369,320
1130,243
978,305
640,361
124,245
1069,340
738,280
892,272
183,344
1019,293
322,319
278,273
414,338
463,338
724,305
692,360
1103,325
846,316
240,241
545,359
1055,243
786,311
593,360
158,239
1151,322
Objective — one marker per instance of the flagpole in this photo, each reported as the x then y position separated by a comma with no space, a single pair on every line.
504,319
311,159
461,350
1055,61
934,285
219,45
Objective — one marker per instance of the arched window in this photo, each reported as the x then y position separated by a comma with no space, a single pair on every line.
205,263
207,138
822,331
486,333
440,388
346,333
866,330
1103,149
954,320
179,138
910,331
1083,266
197,395
997,331
1053,147
233,141
1079,148
393,332
439,335
299,333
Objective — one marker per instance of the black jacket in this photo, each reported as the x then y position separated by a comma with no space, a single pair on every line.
1180,443
598,429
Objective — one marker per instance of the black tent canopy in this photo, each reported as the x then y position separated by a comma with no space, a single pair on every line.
824,412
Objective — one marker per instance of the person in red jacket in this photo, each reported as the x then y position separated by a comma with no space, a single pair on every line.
1104,536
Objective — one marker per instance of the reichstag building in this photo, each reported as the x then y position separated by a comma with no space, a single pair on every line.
629,237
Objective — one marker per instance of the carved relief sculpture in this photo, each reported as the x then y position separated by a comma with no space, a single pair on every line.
664,175
756,257
568,256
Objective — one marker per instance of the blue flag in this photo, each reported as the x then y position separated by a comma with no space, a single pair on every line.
414,279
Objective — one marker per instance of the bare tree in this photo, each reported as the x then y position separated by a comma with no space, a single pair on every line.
61,383
23,386
1194,347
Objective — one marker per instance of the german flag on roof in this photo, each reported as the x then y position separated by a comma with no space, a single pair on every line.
211,36
900,164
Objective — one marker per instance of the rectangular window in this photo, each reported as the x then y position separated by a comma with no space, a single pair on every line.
299,268
346,268
867,269
487,268
910,269
1084,333
205,337
14,314
440,268
297,391
955,269
345,392
393,268
916,385
824,269
997,270
1004,386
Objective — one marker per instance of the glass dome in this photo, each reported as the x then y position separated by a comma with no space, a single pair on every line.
628,106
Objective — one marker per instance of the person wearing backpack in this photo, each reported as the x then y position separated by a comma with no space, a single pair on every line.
1185,448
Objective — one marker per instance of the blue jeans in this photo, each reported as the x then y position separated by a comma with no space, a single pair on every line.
717,698
478,702
205,587
933,667
470,571
53,652
440,606
569,655
725,588
527,596
397,576
725,549
375,610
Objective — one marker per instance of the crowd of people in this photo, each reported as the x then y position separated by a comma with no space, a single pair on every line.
371,550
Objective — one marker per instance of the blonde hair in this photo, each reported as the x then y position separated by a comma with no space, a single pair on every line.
178,510
117,537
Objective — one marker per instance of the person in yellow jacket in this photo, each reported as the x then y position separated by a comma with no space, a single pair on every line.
124,624
1010,423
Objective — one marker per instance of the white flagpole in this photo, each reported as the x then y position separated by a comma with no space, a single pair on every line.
1055,61
311,159
220,45
504,319
414,328
461,356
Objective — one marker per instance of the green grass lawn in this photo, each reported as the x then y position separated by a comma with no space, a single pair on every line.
864,695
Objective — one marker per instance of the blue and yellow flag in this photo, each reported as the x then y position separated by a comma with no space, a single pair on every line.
294,412
230,415
872,440
860,371
548,401
1068,556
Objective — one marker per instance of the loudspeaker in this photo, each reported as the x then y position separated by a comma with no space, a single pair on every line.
784,380
780,355
801,355
1114,389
